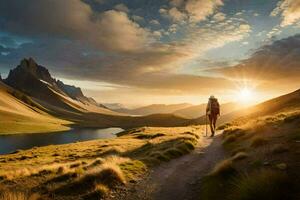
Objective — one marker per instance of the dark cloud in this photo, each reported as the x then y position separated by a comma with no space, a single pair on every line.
73,19
77,40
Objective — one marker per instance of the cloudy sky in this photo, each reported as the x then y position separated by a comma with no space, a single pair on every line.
139,52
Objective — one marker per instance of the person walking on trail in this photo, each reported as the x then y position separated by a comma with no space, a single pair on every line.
212,111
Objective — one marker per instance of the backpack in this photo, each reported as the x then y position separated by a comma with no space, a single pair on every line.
215,107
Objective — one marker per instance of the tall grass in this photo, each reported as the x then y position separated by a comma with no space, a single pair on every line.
10,195
261,185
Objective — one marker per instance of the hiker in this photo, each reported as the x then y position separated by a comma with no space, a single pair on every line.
212,111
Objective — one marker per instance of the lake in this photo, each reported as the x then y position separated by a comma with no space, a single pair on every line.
10,143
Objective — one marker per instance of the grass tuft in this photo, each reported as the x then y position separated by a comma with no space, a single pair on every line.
264,184
230,139
223,168
174,153
100,191
240,156
9,195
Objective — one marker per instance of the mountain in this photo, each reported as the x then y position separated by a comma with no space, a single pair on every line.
192,112
184,110
154,109
36,81
51,104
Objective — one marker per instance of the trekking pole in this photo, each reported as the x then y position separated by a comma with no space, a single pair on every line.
206,125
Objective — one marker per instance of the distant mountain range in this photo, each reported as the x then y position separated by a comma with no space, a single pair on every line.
184,110
154,109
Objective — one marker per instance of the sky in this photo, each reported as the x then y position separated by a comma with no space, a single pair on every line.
139,52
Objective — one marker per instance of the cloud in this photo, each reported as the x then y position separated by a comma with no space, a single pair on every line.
152,68
109,46
115,31
154,22
137,18
122,7
219,16
193,10
8,42
289,10
200,9
176,15
278,61
176,3
111,30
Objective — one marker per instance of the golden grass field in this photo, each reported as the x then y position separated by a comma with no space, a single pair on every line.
262,162
94,167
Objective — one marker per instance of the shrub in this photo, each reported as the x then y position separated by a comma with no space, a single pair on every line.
264,184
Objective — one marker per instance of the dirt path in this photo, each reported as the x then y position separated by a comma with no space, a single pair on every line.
179,178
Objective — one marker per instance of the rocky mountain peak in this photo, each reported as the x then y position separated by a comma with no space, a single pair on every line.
35,79
29,68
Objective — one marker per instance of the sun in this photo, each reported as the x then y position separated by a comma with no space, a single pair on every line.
246,95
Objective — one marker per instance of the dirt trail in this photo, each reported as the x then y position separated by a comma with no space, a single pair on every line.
179,178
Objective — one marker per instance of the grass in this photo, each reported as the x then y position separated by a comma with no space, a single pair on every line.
25,116
216,184
279,148
262,162
264,185
258,141
72,171
100,191
240,156
224,126
9,195
224,168
109,175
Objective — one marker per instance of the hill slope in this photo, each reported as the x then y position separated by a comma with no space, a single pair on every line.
285,103
24,116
